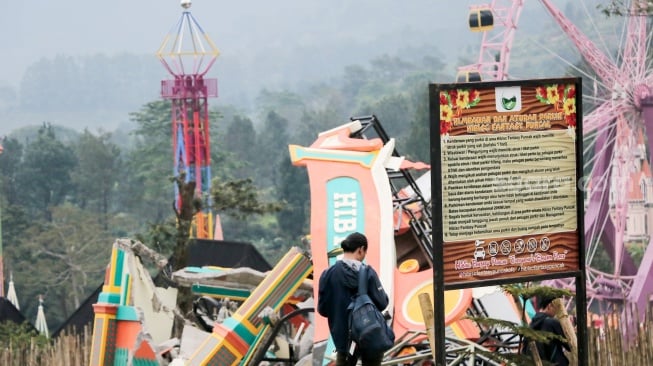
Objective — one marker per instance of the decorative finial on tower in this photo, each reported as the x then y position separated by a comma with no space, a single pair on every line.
41,323
11,293
185,4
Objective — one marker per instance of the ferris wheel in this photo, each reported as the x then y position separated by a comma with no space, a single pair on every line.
618,137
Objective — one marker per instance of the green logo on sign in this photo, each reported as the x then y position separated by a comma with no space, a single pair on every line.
509,103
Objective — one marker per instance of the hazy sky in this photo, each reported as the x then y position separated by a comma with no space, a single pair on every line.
32,29
245,32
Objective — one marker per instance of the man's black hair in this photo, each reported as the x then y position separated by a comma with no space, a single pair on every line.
354,241
543,301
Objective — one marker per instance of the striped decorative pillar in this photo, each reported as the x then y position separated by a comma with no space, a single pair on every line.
113,278
118,327
104,335
231,340
105,325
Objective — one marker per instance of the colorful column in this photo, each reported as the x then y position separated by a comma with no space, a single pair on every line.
104,325
117,325
104,335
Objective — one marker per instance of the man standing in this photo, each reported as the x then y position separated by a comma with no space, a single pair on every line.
545,320
338,284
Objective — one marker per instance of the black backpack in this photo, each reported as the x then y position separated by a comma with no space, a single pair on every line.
547,352
367,325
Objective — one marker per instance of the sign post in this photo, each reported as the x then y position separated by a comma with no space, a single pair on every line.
507,158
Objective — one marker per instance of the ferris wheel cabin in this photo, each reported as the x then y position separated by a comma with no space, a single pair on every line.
481,19
467,76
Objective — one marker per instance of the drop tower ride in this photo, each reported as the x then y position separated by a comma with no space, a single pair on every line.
188,53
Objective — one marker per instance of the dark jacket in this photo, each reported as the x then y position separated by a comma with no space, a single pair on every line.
551,352
336,287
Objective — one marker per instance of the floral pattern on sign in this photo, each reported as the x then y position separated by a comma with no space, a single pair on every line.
563,98
452,103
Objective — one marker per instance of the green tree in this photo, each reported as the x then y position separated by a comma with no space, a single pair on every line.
244,212
627,8
9,164
15,223
15,220
293,190
20,336
312,123
40,87
71,252
145,191
45,175
292,186
394,112
418,142
390,68
354,77
286,104
271,146
97,173
241,143
240,199
237,199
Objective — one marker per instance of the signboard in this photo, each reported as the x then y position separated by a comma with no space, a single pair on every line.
506,179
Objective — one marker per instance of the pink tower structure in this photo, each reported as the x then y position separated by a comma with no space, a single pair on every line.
188,53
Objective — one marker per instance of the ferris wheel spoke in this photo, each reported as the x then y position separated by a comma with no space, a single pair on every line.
623,189
647,116
572,65
600,225
642,285
598,201
597,32
598,61
595,232
634,48
599,118
595,99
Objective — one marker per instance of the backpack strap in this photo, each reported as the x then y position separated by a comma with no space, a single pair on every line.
553,354
362,280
